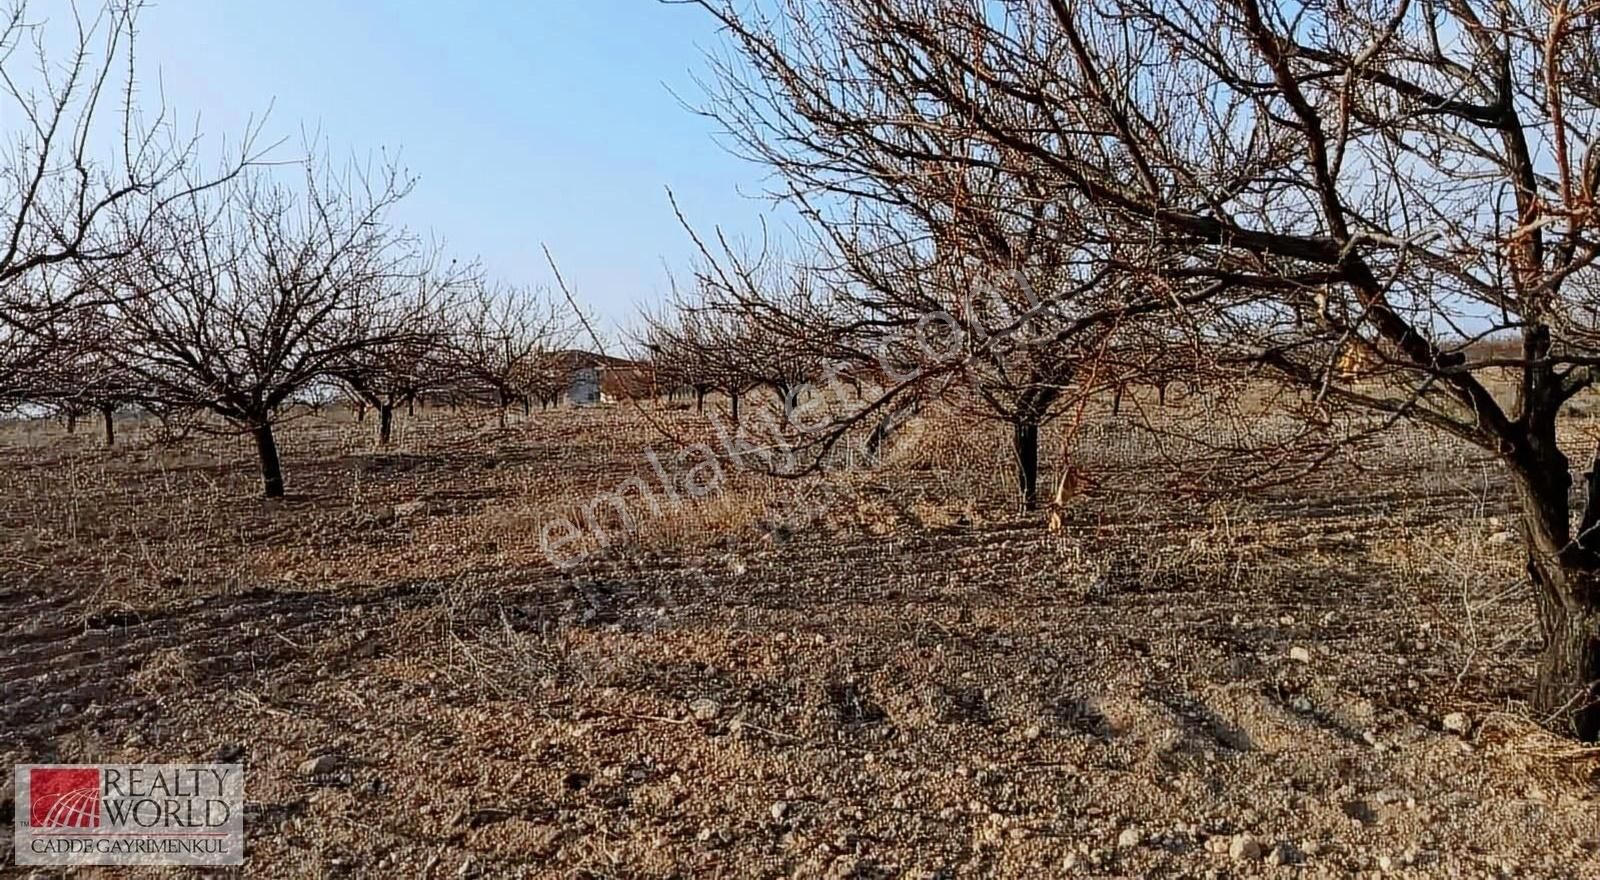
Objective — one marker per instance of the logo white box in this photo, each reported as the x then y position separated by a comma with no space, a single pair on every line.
129,814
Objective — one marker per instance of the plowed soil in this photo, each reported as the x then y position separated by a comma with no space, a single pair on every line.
880,675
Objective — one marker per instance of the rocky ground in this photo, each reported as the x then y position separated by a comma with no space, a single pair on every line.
906,680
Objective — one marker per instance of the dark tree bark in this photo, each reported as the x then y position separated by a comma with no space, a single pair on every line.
271,469
887,425
411,404
1025,444
736,407
385,423
1033,407
699,400
1116,400
361,411
1565,572
108,417
527,406
72,422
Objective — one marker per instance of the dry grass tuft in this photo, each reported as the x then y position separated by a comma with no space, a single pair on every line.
165,670
1529,751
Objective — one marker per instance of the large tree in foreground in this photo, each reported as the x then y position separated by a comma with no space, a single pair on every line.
952,265
1397,177
257,290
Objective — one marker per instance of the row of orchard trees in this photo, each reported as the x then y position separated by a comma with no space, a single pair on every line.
718,337
1233,189
142,280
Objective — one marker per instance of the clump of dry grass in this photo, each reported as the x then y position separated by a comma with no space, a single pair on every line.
165,670
1529,751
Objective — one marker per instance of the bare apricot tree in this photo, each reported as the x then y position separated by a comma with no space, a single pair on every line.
952,265
700,346
86,367
760,320
396,368
507,344
1406,177
85,176
255,291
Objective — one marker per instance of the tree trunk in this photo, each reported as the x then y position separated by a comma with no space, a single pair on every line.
1116,400
699,400
1567,693
527,406
107,415
1565,572
1025,444
271,470
736,407
385,423
411,405
72,422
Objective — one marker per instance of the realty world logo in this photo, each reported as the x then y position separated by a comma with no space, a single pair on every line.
129,814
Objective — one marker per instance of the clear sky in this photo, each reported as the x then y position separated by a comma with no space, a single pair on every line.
526,122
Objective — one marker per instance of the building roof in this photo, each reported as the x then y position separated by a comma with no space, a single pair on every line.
577,359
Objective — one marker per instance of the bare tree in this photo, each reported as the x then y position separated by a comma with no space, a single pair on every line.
84,175
507,345
549,376
702,345
672,368
954,267
257,290
90,368
397,368
756,322
70,361
1405,177
33,357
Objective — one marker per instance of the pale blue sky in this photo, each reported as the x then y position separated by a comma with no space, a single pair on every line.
531,122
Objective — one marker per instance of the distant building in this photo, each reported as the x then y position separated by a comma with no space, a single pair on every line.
627,380
583,384
596,378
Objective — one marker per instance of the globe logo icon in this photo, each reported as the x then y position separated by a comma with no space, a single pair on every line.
64,797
